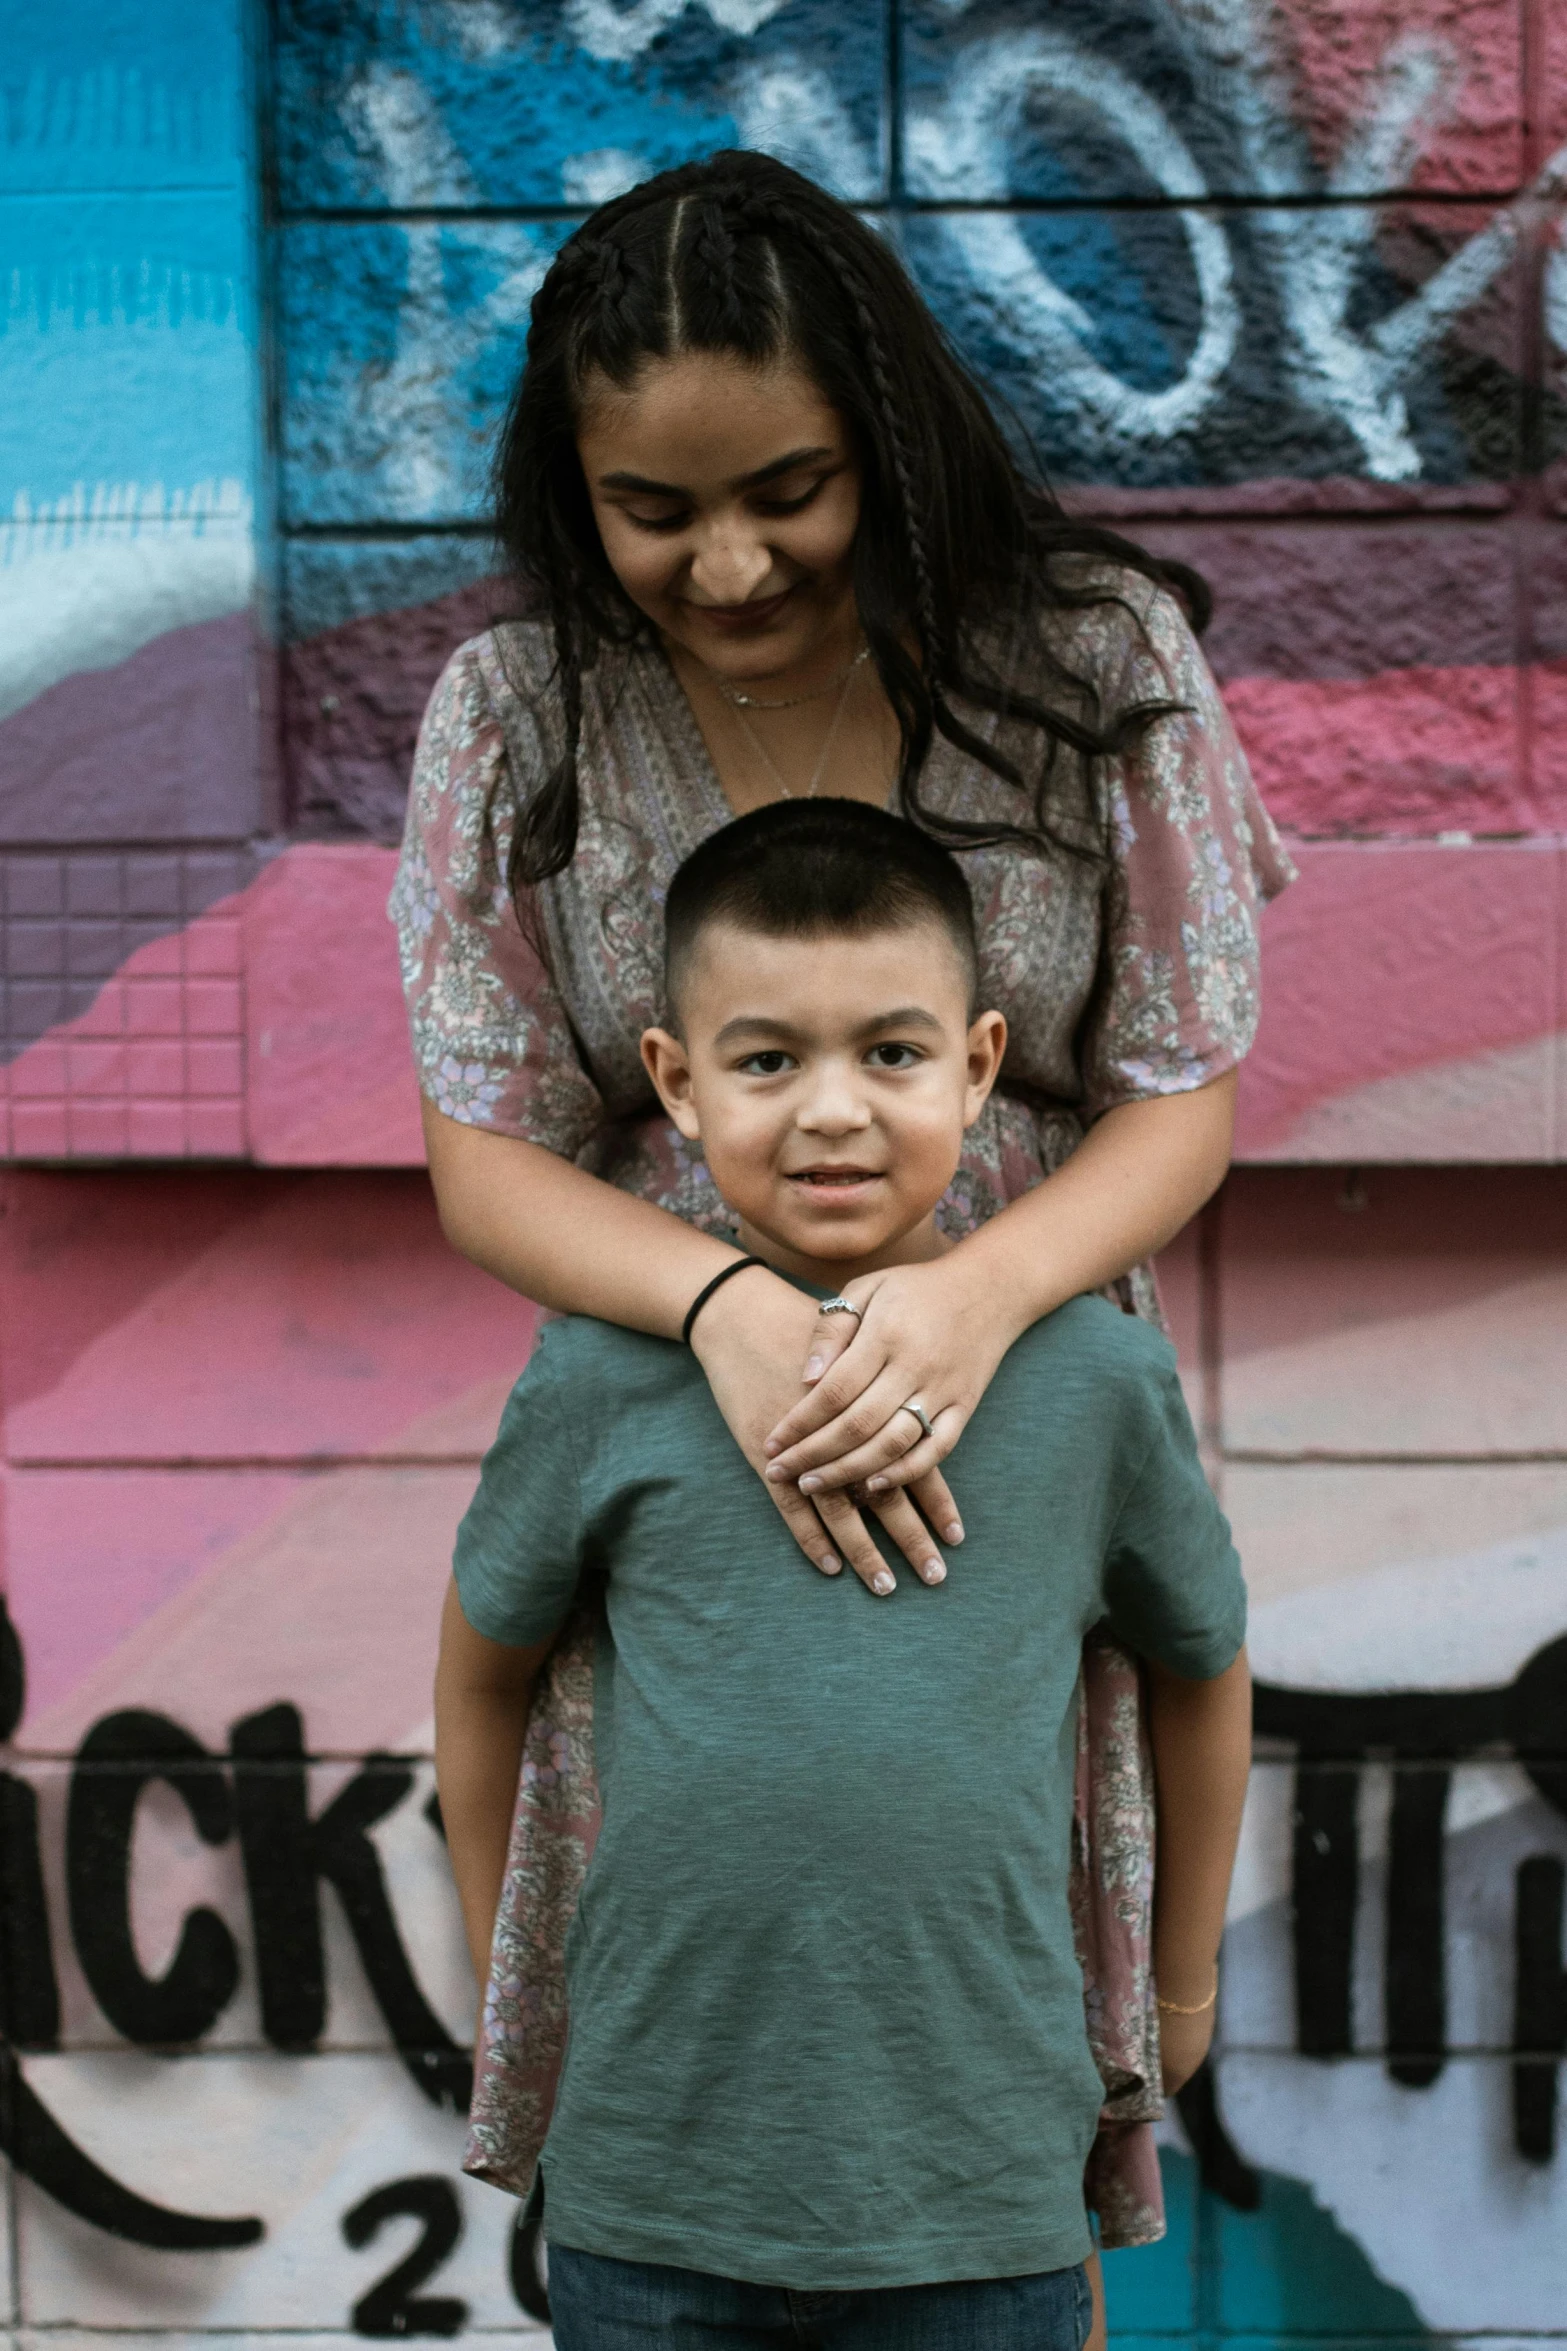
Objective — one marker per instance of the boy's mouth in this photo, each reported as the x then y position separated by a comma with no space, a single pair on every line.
839,1181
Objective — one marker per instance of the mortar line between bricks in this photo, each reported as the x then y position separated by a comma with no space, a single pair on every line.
299,1464
19,1755
1171,504
1240,200
1263,1457
379,529
308,1464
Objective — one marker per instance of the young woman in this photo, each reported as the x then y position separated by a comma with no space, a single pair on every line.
776,544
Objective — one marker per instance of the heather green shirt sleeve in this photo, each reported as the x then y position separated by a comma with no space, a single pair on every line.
1172,1581
519,1552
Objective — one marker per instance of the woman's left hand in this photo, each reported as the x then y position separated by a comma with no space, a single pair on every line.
929,1333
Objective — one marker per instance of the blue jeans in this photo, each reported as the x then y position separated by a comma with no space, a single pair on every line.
602,2305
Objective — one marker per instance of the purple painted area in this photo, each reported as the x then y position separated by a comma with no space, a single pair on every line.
353,697
1337,601
162,747
76,918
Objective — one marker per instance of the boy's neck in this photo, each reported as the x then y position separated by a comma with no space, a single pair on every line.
917,1246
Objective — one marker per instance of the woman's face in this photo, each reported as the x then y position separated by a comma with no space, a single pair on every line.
727,497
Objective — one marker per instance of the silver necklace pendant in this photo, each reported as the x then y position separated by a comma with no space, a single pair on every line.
739,701
766,757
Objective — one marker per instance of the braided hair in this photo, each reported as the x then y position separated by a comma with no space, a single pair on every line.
958,546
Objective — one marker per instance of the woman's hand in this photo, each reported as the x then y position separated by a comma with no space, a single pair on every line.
927,1332
749,1339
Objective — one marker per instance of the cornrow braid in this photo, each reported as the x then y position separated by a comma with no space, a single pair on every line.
768,217
919,696
713,256
959,552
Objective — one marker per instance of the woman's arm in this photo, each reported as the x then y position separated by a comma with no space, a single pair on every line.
1201,1738
482,1695
569,1241
938,1331
564,1238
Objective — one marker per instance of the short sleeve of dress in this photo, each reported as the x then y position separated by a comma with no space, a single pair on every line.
1199,859
492,1043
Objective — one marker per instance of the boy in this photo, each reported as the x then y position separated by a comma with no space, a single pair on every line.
828,2079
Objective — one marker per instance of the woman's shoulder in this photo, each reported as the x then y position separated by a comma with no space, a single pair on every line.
507,677
508,662
487,708
1114,620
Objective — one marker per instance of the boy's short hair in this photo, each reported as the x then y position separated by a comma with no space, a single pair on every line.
808,869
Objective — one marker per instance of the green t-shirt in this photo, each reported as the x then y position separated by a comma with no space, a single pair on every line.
826,2018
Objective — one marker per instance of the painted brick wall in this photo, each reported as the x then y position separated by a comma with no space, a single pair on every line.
1282,286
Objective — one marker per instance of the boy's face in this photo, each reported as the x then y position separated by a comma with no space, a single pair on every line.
829,1081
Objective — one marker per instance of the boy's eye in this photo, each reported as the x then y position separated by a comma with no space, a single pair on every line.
893,1056
765,1065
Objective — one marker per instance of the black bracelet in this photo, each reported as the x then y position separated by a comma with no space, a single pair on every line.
700,1300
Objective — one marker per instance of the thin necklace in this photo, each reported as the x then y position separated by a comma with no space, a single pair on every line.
817,772
739,701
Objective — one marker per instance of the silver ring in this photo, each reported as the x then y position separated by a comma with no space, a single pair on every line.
920,1415
839,1306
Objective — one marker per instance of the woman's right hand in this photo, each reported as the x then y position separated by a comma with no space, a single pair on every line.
751,1339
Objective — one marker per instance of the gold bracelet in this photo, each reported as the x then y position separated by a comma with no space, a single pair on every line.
1176,2008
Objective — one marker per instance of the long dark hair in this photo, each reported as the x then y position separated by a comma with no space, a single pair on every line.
956,543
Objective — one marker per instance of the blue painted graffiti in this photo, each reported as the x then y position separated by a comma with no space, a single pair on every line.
1185,295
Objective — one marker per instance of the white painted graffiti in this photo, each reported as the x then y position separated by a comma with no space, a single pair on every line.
402,408
962,146
960,149
605,29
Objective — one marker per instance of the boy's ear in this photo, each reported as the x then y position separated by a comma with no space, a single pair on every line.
987,1042
668,1065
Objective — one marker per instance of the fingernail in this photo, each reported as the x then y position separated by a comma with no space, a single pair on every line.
813,1370
882,1582
829,1565
810,1483
773,1445
934,1571
776,1471
875,1485
954,1530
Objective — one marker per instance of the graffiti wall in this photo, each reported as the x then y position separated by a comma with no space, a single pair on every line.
1280,285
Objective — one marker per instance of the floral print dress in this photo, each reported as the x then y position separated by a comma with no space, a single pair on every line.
1112,992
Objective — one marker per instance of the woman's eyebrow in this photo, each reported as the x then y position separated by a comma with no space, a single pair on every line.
770,472
640,483
644,487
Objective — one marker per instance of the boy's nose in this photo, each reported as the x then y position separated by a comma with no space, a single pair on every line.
835,1107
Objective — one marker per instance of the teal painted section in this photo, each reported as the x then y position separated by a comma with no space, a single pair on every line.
1153,2289
1289,2268
128,323
113,95
126,345
1286,2270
